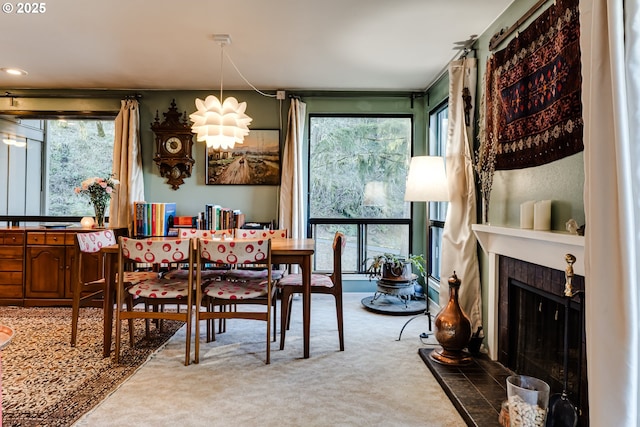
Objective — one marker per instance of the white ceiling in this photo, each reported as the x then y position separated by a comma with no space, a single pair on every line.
356,45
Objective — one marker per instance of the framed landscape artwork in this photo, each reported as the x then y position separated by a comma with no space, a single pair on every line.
254,162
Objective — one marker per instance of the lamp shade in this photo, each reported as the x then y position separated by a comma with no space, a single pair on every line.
220,125
427,181
375,194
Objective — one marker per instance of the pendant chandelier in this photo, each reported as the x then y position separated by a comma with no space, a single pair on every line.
220,124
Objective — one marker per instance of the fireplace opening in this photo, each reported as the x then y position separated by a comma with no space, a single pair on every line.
536,339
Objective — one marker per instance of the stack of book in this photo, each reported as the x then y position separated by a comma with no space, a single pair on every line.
153,219
218,218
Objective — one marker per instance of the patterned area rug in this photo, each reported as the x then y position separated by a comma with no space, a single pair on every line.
533,93
46,382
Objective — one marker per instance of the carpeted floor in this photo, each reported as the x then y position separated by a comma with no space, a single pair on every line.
376,381
46,382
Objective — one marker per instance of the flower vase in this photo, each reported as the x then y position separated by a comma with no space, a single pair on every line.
99,209
485,209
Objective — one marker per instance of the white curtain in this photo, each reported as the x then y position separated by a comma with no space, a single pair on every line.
610,49
459,249
291,215
127,165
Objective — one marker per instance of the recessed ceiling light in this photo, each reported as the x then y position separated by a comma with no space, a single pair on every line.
14,71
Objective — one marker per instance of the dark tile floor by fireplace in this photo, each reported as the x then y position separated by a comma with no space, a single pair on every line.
476,390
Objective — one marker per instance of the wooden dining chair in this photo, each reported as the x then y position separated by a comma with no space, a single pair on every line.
320,284
209,271
157,290
258,272
236,252
212,270
89,287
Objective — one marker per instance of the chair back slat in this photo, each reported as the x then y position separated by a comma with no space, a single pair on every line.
156,251
236,251
187,233
242,233
94,241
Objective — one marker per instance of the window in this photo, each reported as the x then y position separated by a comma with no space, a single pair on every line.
438,122
76,150
357,174
51,158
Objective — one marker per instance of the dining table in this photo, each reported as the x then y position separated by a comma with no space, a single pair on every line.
290,251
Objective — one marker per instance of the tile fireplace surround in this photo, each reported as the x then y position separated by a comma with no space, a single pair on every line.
543,248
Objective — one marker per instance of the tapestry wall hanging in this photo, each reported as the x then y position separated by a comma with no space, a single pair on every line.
532,94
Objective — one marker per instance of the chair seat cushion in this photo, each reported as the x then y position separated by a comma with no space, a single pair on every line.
130,277
316,280
183,274
134,277
234,290
248,274
160,288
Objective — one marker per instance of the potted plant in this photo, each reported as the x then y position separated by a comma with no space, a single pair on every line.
395,267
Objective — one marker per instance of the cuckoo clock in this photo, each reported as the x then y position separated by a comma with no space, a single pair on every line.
173,146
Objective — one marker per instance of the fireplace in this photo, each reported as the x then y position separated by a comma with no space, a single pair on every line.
531,327
524,288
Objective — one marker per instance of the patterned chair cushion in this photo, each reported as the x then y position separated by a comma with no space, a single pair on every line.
246,274
93,242
187,233
156,251
241,251
184,274
231,290
159,288
134,277
316,280
241,233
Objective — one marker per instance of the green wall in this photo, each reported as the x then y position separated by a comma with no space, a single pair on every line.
258,202
561,181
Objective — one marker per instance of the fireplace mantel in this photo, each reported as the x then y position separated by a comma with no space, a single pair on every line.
546,248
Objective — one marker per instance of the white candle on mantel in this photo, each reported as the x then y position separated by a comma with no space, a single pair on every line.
542,215
526,214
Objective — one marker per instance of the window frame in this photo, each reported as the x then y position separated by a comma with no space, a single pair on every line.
438,136
360,223
12,124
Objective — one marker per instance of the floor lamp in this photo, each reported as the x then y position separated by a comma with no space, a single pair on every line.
426,182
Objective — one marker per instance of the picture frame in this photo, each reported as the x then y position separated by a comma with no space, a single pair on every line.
254,162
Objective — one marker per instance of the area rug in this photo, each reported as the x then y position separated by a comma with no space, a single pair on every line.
46,382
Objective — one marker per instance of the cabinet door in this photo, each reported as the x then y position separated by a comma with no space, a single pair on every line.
47,268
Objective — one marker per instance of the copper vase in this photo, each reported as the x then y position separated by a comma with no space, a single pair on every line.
453,330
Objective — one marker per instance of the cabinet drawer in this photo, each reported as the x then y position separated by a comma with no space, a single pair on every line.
10,252
35,238
12,238
55,239
10,264
69,239
11,278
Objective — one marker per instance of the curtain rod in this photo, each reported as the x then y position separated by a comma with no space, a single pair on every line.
352,94
66,95
501,35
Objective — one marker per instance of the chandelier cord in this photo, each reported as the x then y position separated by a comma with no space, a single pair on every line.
244,78
221,68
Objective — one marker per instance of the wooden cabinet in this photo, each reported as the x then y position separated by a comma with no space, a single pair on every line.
38,266
50,267
11,266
